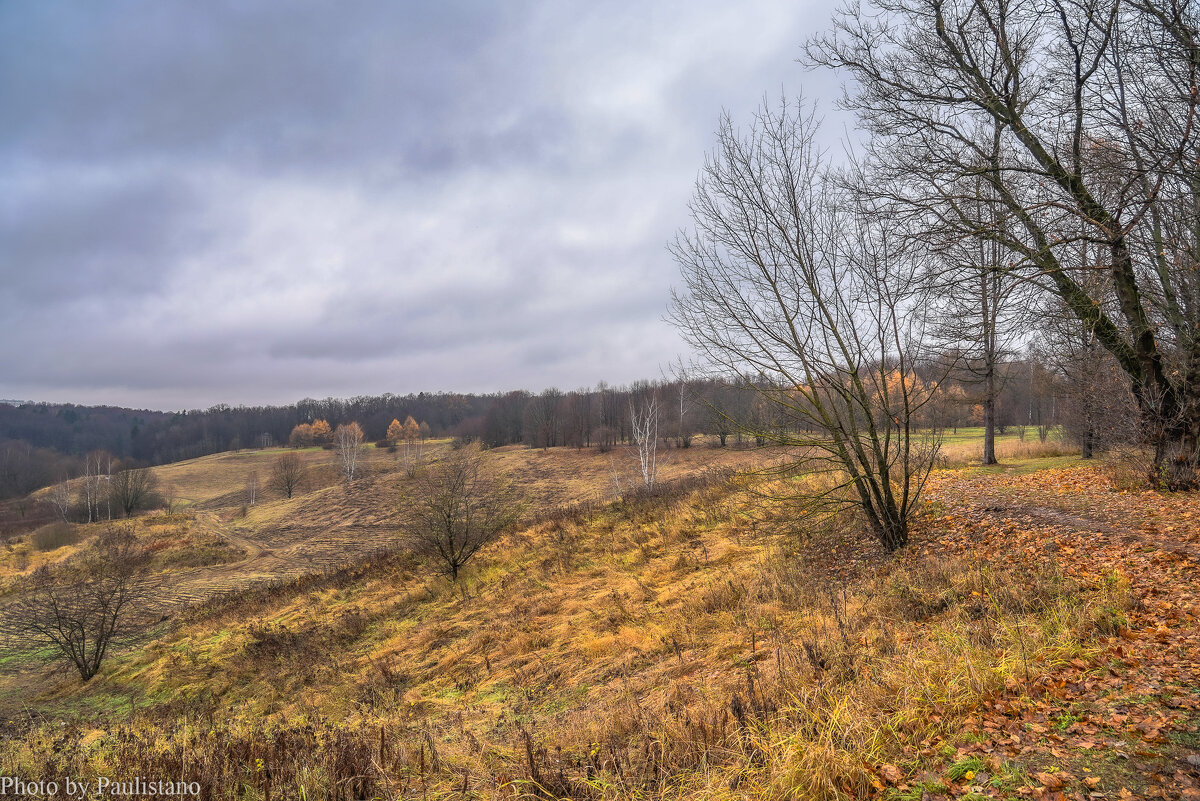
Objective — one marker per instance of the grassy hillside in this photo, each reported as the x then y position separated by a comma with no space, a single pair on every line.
698,643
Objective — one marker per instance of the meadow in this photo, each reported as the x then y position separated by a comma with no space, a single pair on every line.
701,641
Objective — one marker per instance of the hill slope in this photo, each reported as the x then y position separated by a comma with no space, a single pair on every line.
697,644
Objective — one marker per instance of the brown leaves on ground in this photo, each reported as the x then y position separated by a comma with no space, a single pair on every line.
1119,722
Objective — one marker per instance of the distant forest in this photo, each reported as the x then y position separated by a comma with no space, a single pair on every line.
42,443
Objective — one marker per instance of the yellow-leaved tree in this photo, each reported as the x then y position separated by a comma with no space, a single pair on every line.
411,432
301,436
322,433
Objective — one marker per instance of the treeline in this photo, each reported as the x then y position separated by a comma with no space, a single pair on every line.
36,437
42,443
1088,403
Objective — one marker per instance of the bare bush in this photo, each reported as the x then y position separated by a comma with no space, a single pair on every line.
286,474
455,507
133,489
86,606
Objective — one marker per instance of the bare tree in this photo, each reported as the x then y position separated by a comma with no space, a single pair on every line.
348,439
410,431
1097,408
252,488
980,307
170,497
456,506
286,474
685,393
86,606
1081,118
579,419
644,408
543,419
133,489
60,497
97,466
798,289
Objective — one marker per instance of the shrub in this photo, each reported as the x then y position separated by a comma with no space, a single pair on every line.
54,536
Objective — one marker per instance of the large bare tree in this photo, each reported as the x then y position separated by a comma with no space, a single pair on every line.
795,286
1081,118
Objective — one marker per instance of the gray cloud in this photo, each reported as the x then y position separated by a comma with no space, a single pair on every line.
255,202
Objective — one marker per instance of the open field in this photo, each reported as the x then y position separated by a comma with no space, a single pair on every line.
328,522
964,446
701,643
213,544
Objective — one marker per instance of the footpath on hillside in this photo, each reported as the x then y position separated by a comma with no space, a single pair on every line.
1131,713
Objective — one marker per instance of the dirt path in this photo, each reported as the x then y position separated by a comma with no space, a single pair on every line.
271,554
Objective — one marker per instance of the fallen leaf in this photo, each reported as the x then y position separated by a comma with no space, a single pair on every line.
891,774
1051,781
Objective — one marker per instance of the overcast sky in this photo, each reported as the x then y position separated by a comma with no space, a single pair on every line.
241,202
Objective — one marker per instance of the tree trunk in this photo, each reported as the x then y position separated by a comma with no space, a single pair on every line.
892,533
1175,434
988,309
989,416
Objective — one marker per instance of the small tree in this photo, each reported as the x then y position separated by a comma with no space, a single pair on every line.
395,432
301,436
86,606
348,439
287,473
60,497
252,488
133,489
410,432
643,417
97,466
322,434
455,507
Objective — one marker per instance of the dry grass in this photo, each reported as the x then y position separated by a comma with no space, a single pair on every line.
662,646
956,452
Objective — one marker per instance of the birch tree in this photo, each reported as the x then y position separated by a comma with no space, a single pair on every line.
644,408
348,440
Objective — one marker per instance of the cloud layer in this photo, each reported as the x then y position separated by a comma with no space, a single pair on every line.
256,202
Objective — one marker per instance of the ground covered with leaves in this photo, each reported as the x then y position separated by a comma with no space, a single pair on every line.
1123,722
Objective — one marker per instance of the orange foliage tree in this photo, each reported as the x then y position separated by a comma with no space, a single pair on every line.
322,433
301,436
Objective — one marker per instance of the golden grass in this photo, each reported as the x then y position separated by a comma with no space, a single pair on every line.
670,647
